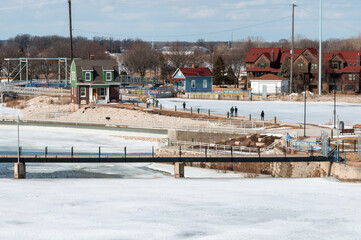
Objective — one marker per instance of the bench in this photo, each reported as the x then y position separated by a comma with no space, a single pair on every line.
348,130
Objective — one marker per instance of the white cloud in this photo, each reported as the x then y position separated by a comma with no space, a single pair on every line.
108,9
202,13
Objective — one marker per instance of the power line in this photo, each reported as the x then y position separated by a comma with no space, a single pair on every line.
187,35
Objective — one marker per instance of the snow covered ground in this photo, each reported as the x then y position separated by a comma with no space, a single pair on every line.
9,112
317,112
167,208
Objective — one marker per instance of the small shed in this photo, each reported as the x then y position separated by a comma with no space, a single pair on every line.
271,83
193,80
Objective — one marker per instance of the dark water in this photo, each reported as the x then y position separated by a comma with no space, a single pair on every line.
119,170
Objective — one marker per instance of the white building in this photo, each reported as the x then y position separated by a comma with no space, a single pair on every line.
271,83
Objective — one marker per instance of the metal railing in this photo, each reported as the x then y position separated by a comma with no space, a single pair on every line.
34,90
220,148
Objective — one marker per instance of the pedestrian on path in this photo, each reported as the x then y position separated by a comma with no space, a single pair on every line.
232,110
262,115
288,139
184,106
198,110
236,111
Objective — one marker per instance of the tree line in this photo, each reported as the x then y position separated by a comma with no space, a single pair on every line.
160,59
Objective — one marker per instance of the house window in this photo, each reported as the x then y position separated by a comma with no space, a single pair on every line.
300,65
335,66
102,92
313,66
349,88
88,76
193,84
262,65
204,83
108,76
82,92
352,77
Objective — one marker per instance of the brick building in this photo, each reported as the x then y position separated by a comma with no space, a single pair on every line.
341,69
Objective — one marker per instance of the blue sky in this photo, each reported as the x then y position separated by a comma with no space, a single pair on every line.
185,20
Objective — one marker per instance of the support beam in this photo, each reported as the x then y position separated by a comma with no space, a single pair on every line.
19,170
179,170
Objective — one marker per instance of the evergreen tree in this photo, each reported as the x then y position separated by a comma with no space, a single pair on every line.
218,72
231,77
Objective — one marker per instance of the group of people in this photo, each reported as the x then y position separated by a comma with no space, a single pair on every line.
234,110
152,102
184,107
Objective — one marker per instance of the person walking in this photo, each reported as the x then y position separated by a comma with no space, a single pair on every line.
232,110
236,111
288,139
184,106
262,115
198,110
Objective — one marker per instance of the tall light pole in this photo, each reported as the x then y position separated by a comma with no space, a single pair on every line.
71,32
18,122
320,54
304,110
292,45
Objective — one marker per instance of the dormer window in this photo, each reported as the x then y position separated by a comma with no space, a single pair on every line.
88,76
108,76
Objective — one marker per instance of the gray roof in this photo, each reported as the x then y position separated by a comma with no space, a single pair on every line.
97,66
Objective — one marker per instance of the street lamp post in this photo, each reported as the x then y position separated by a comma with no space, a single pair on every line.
304,111
334,104
18,122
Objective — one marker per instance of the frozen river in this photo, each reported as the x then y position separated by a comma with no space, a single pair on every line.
59,140
317,112
167,208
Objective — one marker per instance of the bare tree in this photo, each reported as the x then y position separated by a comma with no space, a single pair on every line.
140,57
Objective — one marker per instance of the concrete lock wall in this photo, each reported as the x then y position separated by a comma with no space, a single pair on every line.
204,137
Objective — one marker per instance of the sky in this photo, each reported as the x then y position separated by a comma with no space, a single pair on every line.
185,20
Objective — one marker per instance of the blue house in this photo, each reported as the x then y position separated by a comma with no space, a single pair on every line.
193,80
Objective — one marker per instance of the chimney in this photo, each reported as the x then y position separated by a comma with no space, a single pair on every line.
92,57
272,56
358,60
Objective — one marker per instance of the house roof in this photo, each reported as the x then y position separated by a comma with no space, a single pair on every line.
348,56
270,76
196,72
97,67
254,53
287,53
348,69
268,69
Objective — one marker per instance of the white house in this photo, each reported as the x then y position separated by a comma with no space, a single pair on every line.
271,83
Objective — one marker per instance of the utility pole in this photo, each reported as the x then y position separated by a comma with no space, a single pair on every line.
320,54
292,45
71,32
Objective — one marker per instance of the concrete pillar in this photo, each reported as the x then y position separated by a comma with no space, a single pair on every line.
19,171
179,170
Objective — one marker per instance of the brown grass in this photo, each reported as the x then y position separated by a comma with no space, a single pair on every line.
13,103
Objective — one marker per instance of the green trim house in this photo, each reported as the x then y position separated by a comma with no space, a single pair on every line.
94,81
